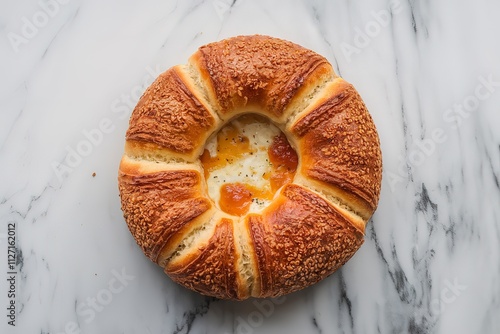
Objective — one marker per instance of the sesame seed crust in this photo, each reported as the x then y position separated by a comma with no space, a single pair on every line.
311,227
299,240
339,145
257,71
158,205
171,116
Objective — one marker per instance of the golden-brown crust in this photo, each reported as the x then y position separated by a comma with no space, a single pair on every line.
157,205
257,72
312,226
171,116
211,270
299,240
339,145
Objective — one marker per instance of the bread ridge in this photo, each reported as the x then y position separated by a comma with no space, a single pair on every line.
160,200
142,152
293,241
340,147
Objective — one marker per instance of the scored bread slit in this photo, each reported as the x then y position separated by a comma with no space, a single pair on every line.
194,76
194,237
309,99
246,264
341,204
152,155
320,77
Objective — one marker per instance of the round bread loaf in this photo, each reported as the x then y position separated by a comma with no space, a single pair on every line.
311,223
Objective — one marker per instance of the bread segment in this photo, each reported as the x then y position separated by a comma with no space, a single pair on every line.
193,244
158,204
258,73
339,147
171,116
299,240
211,268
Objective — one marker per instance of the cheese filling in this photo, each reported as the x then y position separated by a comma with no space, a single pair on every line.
246,163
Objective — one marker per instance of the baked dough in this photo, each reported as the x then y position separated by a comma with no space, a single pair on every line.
313,224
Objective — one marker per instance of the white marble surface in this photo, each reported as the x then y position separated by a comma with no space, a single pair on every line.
429,72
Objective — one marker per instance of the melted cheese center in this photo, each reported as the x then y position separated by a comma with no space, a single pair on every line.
246,163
